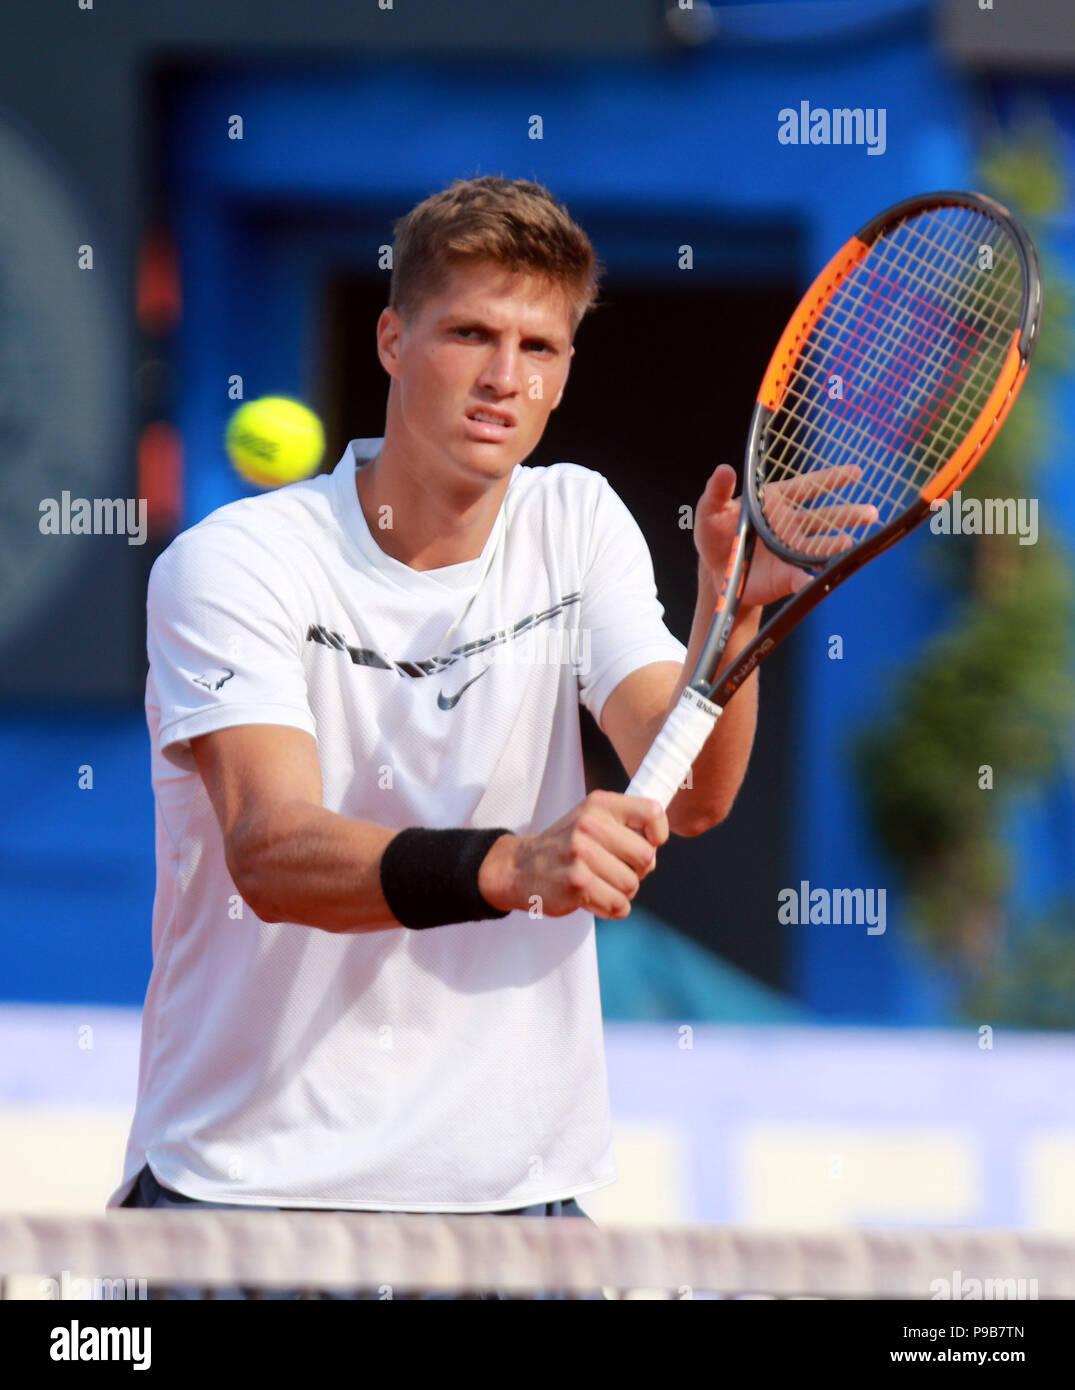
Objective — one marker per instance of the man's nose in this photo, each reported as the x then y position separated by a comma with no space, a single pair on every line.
501,370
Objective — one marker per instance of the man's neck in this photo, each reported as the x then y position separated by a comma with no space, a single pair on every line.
419,526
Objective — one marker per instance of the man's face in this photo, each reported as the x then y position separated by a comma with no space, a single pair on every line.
478,369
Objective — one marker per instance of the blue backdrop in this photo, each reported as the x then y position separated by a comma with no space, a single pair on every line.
647,155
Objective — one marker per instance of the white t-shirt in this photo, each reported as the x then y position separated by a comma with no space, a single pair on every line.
459,1068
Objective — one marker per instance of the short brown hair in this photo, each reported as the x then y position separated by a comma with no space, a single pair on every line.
518,225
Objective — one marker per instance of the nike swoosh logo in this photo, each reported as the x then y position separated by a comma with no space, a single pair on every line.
450,701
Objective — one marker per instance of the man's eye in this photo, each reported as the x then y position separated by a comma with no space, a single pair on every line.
462,332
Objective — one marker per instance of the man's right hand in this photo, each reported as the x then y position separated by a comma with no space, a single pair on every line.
594,858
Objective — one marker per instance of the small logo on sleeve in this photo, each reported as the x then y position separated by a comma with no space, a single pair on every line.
214,678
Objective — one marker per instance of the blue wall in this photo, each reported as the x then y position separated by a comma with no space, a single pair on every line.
77,863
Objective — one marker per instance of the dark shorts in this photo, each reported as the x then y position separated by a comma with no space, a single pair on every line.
148,1192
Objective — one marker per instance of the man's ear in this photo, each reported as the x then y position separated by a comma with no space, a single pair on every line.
389,336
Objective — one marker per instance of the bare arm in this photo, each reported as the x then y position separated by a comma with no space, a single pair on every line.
294,861
636,709
633,714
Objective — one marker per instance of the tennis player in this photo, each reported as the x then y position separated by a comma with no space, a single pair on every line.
374,983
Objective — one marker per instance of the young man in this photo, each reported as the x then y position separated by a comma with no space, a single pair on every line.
374,983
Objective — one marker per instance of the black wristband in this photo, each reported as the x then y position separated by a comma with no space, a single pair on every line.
430,877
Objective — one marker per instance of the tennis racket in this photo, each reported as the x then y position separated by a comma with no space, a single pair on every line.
889,383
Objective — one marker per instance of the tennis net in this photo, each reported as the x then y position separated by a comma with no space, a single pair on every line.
213,1254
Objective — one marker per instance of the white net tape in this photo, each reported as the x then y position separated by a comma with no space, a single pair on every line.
520,1254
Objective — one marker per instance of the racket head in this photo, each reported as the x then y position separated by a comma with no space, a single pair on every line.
900,363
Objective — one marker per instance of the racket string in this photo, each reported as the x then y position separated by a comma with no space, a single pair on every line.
940,334
849,295
834,340
936,367
851,299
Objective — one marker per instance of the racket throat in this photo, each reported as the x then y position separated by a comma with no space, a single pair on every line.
697,696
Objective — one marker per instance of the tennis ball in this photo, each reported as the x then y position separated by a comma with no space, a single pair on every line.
274,440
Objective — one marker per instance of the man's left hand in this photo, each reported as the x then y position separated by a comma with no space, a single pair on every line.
770,578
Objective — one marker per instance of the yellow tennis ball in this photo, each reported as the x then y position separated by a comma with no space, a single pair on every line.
274,440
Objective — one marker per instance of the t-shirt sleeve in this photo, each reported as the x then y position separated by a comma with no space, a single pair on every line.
620,611
224,647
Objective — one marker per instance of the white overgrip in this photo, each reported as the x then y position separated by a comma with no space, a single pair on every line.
675,748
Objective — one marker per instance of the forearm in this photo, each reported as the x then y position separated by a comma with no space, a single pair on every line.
720,767
310,866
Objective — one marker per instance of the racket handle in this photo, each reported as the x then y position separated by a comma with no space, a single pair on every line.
675,748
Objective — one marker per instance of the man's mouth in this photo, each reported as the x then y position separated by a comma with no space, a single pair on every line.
488,423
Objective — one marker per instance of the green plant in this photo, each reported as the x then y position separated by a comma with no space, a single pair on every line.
984,716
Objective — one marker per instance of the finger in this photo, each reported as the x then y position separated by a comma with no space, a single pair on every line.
820,546
646,816
611,870
632,849
616,913
815,519
588,891
609,883
720,489
816,483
